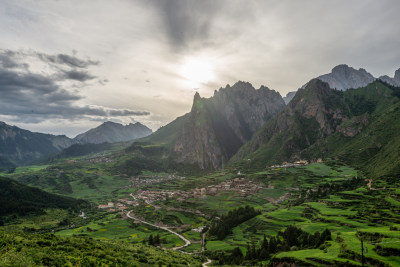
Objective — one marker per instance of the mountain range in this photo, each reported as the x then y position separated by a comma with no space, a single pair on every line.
239,123
19,146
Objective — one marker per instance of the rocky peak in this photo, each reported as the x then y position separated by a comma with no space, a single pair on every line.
218,126
343,77
397,75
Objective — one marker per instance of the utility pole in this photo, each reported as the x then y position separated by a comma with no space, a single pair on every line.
222,158
362,251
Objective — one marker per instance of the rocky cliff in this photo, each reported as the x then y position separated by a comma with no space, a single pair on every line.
112,132
218,126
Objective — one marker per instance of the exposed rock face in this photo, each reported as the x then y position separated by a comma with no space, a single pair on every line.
22,146
218,126
397,76
112,132
344,77
354,126
392,81
289,96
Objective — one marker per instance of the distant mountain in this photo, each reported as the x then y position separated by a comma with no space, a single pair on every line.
112,132
20,146
395,81
289,96
16,198
321,122
343,77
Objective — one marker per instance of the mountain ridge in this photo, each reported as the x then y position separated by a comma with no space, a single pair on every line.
112,132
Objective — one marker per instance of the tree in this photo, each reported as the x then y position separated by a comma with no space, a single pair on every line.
151,241
156,240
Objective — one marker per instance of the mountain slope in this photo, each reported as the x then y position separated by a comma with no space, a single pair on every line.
370,142
16,198
112,132
314,114
22,146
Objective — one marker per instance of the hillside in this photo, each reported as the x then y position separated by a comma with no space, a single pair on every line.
374,149
112,132
6,164
316,113
16,198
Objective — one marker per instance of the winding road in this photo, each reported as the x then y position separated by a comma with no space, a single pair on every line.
187,242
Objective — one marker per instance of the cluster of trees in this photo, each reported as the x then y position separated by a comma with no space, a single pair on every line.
292,238
154,240
223,227
26,249
324,190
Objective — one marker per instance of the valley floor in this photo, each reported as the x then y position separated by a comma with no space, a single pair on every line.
181,211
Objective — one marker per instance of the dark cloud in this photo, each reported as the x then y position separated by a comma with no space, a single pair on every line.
68,60
34,97
186,21
76,75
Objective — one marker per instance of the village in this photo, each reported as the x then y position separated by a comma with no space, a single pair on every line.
298,163
241,186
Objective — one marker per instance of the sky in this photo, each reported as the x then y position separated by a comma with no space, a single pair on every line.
67,66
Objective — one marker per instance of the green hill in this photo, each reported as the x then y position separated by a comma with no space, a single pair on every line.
357,125
16,198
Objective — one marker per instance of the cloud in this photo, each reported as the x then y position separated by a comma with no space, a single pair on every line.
68,60
31,96
81,76
186,21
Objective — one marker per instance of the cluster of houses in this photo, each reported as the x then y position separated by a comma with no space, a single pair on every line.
100,160
143,180
121,205
242,186
298,163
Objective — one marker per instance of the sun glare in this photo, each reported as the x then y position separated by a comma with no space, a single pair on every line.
197,71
